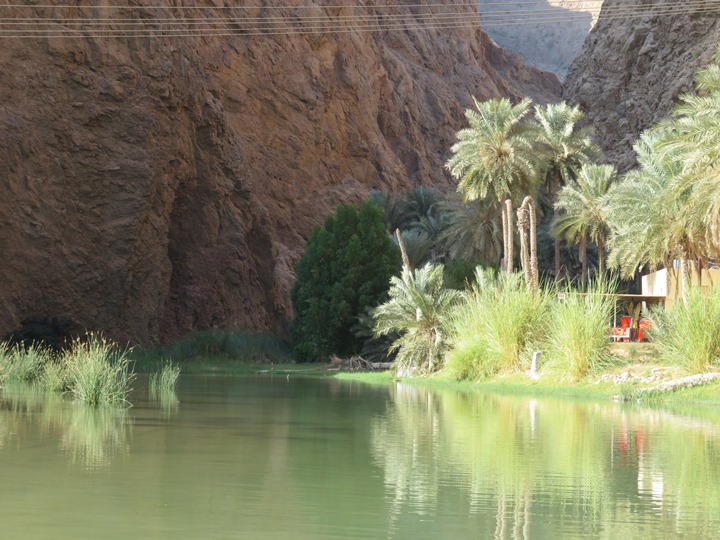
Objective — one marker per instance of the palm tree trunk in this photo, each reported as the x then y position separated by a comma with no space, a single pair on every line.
505,237
511,239
583,260
403,251
557,259
522,225
684,281
534,271
601,257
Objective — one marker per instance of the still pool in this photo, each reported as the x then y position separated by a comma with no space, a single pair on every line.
263,457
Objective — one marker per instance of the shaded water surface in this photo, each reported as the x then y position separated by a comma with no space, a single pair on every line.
284,458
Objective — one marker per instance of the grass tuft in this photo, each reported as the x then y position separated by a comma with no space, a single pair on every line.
216,347
99,371
688,334
497,327
165,379
578,342
18,364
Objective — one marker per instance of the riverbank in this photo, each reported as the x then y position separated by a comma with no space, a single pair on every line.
635,367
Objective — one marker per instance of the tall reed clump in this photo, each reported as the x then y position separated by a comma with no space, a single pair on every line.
165,379
497,326
18,364
688,334
99,371
578,342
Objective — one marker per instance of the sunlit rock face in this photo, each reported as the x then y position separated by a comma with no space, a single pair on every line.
151,186
632,70
548,34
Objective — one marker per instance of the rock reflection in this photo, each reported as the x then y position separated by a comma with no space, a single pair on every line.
90,436
576,469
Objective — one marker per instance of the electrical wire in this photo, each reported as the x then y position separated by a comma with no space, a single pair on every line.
335,6
364,23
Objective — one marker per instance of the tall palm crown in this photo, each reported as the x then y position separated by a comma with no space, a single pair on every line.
582,210
565,148
495,153
471,230
647,209
694,134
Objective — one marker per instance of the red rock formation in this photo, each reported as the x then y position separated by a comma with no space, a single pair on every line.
156,185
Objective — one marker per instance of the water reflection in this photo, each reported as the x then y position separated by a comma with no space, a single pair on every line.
166,399
89,436
547,468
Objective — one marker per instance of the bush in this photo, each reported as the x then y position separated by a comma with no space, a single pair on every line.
689,334
346,269
578,341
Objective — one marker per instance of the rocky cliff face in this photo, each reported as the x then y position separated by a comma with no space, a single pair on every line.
151,185
631,70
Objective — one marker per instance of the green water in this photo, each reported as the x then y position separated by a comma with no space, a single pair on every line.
313,459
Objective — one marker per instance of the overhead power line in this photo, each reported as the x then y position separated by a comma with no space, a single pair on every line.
329,6
37,27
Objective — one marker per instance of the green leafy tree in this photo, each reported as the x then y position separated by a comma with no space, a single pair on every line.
582,212
346,268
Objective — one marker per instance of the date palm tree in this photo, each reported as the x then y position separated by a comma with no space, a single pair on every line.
694,134
494,157
648,210
471,230
417,310
582,212
564,148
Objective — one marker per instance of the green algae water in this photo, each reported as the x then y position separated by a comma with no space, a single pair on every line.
263,457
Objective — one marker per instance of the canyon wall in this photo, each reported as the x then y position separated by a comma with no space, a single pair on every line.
155,185
632,69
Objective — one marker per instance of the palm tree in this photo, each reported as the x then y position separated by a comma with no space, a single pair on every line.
494,157
564,149
648,210
694,134
582,212
417,309
471,230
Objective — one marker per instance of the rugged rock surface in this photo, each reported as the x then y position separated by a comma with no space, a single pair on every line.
548,34
151,186
631,70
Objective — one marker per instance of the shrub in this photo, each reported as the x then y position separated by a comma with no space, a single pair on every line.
688,334
346,268
578,341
